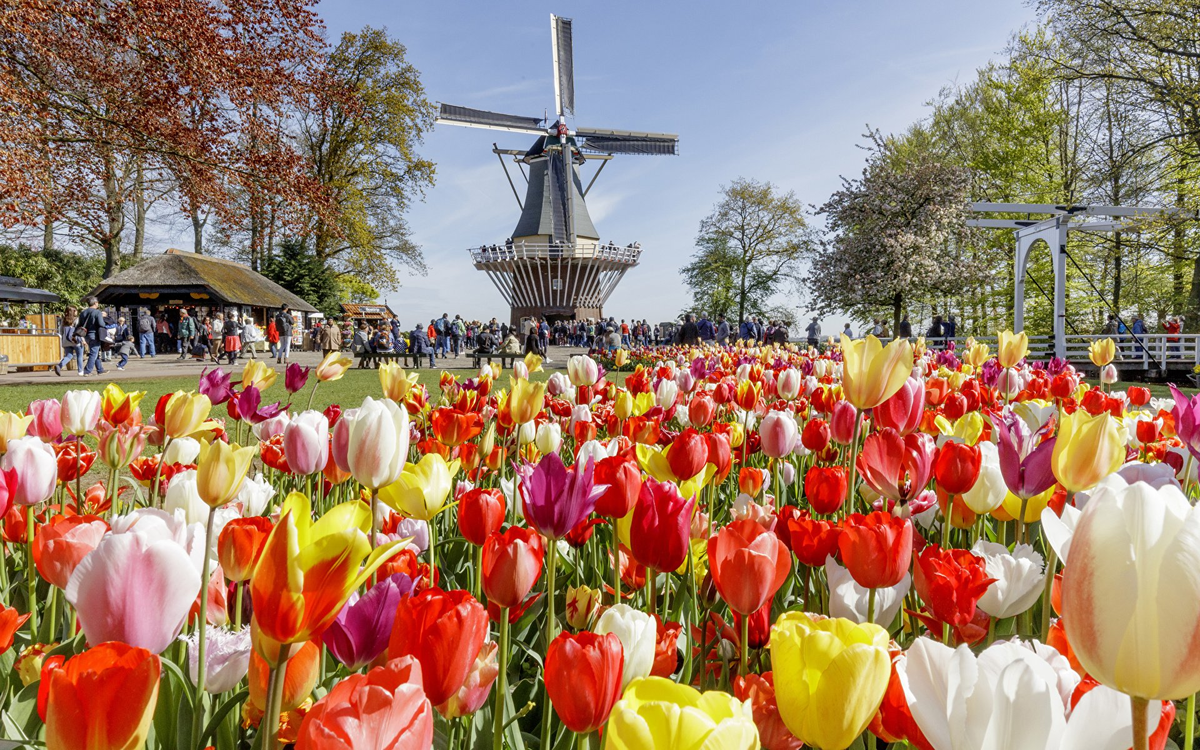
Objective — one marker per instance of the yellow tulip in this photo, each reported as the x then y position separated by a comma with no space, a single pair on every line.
423,487
623,405
656,713
621,358
333,367
642,403
1010,507
966,429
871,372
919,347
533,362
220,470
1087,449
258,375
308,570
1013,347
830,677
525,400
976,355
13,425
395,381
737,434
185,414
117,406
1102,351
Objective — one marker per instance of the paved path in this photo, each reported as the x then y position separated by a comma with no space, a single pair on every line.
165,366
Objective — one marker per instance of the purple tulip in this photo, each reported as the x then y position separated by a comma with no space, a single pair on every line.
1024,455
556,499
295,377
362,629
1187,420
215,384
246,406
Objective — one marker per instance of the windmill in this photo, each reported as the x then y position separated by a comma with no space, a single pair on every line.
554,264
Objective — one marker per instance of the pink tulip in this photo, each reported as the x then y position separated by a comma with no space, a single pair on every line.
477,687
80,412
902,412
841,422
788,384
306,442
779,434
47,420
136,587
37,470
371,442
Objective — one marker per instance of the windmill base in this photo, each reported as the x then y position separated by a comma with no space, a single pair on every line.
553,314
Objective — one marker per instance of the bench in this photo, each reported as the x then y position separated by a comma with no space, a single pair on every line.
506,358
373,359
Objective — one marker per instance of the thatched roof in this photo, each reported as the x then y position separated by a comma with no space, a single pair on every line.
177,277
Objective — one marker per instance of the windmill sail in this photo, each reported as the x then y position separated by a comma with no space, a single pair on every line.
564,65
451,114
627,142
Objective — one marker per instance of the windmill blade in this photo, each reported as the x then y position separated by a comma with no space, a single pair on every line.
564,65
449,114
627,142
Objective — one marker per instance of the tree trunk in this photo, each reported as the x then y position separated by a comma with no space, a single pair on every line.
48,233
115,203
139,214
197,230
897,303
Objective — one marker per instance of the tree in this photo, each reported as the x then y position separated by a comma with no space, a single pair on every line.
362,148
87,89
891,232
297,269
747,248
69,275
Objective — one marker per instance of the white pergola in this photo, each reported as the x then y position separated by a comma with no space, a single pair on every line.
1051,224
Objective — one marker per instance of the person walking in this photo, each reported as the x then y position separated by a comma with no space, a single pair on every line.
813,332
91,320
722,330
71,338
904,330
232,337
950,327
251,335
145,330
689,333
273,338
216,337
330,339
458,331
185,333
284,324
122,343
164,334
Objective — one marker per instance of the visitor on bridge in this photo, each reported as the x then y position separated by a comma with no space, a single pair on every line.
904,330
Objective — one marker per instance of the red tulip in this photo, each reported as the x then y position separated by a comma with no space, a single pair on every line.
1064,384
240,544
701,410
74,460
443,630
748,565
103,698
954,406
688,455
453,427
385,708
812,540
750,480
815,435
1147,430
758,629
583,678
10,622
59,545
666,648
895,466
841,422
759,691
902,412
512,563
894,721
719,455
876,548
661,525
957,467
480,512
299,677
825,487
623,478
950,582
1138,396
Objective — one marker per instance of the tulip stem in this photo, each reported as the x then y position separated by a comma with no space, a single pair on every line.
275,705
78,473
431,524
201,642
1189,723
31,574
501,691
237,605
744,661
551,628
313,394
155,498
851,492
651,590
1140,708
871,605
1051,563
616,562
374,504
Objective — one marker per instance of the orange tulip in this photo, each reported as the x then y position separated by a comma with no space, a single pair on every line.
307,570
10,622
240,544
104,698
386,707
303,668
453,427
60,544
119,407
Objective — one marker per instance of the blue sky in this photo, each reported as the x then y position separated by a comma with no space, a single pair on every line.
778,91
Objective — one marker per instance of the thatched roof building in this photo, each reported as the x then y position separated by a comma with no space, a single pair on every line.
178,278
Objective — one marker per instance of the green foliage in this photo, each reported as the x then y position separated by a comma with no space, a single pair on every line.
69,275
295,267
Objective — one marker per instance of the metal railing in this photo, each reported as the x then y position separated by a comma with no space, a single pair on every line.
1143,350
510,251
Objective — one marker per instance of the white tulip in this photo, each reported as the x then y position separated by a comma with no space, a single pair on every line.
666,393
1020,577
182,450
226,659
183,495
849,600
80,412
1058,529
638,633
549,438
254,495
989,489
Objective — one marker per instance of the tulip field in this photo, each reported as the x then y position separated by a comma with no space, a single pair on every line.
719,547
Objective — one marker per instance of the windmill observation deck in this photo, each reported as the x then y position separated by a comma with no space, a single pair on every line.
556,279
